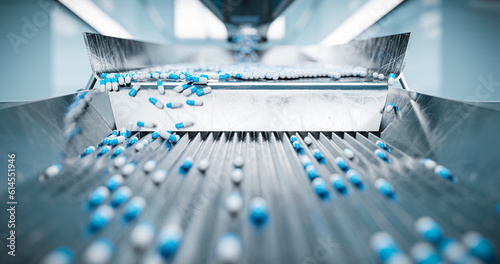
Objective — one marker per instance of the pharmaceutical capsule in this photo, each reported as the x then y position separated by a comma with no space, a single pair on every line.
135,88
392,79
317,154
146,124
389,107
305,160
189,91
203,165
156,103
412,94
238,162
142,235
348,153
101,217
479,246
99,252
424,253
444,172
354,178
98,196
132,141
187,163
155,135
134,208
296,145
88,150
173,76
194,102
114,182
184,124
398,258
120,196
384,245
293,139
115,133
163,75
121,80
429,164
258,211
312,172
204,91
174,104
117,140
123,132
169,240
114,84
128,169
128,79
200,80
308,141
159,176
102,86
234,203
429,229
168,136
455,252
237,176
320,187
341,163
180,88
338,183
381,144
53,170
62,255
161,88
139,146
149,166
381,154
119,161
229,249
109,86
384,187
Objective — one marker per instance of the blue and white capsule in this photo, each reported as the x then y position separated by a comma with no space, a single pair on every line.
184,124
124,133
341,163
296,145
424,253
134,208
149,166
305,160
200,80
109,86
156,103
104,150
159,176
429,229
114,84
132,141
88,150
355,178
146,124
142,235
101,217
384,246
114,182
117,140
382,155
181,87
320,187
338,183
135,88
161,88
194,102
443,172
384,187
293,139
121,196
429,164
392,79
312,172
348,153
121,80
102,86
98,196
99,252
128,169
381,144
317,154
61,255
169,136
128,79
169,240
189,91
118,151
204,91
479,246
389,107
115,133
155,135
187,163
229,249
174,105
258,211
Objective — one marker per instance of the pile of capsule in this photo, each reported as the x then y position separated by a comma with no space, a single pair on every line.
473,248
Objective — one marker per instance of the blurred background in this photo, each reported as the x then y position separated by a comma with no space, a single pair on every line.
454,51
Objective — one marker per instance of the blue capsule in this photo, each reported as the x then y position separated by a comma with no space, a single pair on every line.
200,80
189,91
88,150
61,255
121,196
184,124
443,172
155,135
479,246
104,150
317,154
382,155
296,145
342,164
381,144
173,105
312,172
355,178
100,217
424,253
117,140
338,183
98,196
258,211
169,240
103,75
187,164
132,141
384,187
173,76
320,187
384,245
135,88
115,133
429,229
169,136
102,86
114,182
134,208
293,139
305,160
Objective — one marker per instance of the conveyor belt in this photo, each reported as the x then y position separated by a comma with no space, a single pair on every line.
302,227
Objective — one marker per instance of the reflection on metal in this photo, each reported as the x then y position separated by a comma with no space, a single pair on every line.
367,15
91,14
403,82
270,107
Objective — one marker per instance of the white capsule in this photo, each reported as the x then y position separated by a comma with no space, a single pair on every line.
375,75
237,176
389,107
128,79
203,165
204,91
308,141
139,146
337,75
181,87
229,249
159,176
348,153
149,166
142,235
114,86
391,81
53,170
381,76
99,252
238,162
234,203
119,161
128,169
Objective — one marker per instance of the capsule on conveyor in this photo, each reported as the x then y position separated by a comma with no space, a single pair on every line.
189,91
149,166
429,229
146,124
479,246
135,88
120,196
444,172
128,79
169,136
234,203
98,196
312,172
293,139
121,79
320,187
186,165
132,141
102,86
115,133
203,165
429,164
342,164
180,88
169,240
385,188
114,84
455,252
155,135
100,251
61,255
317,154
142,235
134,208
161,88
119,161
384,246
123,132
109,86
117,140
237,176
204,91
355,178
194,102
296,145
128,169
392,79
258,211
389,107
184,124
338,183
174,105
159,176
424,253
114,182
156,103
305,160
229,249
238,162
100,217
308,141
348,153
87,151
382,155
381,144
53,170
